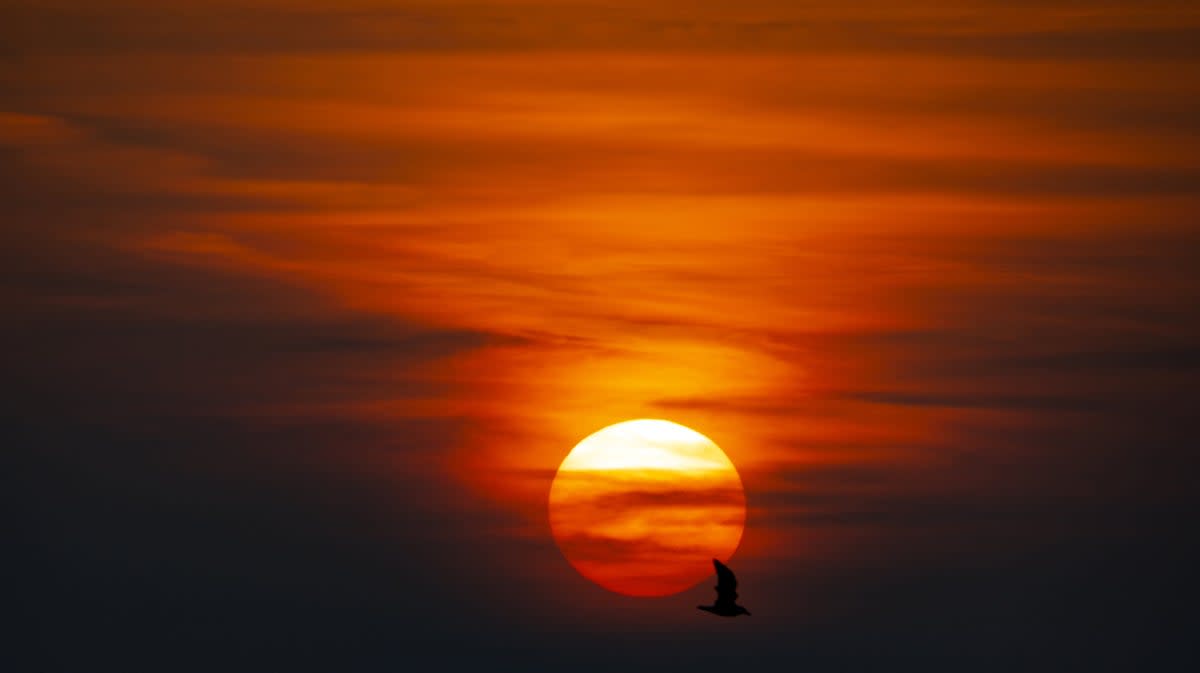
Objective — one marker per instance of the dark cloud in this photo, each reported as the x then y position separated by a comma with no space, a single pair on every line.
130,337
526,25
692,498
1168,358
187,475
973,401
767,407
608,163
588,547
145,541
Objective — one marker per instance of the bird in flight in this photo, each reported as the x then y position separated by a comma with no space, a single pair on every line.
726,603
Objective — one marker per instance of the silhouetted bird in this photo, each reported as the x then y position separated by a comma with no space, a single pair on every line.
726,603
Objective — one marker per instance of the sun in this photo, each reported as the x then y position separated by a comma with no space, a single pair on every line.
642,507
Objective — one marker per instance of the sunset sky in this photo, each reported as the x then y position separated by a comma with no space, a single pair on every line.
305,301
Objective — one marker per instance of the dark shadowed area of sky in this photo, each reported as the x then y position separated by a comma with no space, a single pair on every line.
305,302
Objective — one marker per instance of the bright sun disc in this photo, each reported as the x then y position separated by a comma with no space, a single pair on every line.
642,507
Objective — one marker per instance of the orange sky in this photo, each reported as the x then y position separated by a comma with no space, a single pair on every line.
878,254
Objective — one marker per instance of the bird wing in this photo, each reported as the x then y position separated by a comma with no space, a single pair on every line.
726,583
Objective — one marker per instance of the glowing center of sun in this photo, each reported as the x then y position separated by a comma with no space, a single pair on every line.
642,507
